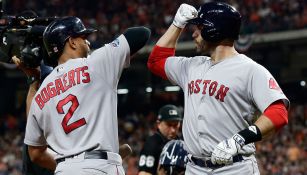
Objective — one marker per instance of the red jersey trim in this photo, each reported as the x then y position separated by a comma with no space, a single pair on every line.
157,59
277,113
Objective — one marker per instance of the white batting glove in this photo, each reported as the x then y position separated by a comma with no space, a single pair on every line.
224,151
184,13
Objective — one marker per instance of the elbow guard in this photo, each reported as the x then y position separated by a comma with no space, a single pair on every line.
137,38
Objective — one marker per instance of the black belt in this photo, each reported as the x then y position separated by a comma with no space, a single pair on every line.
96,154
209,164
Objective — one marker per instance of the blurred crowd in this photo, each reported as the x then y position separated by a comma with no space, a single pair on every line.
285,154
113,17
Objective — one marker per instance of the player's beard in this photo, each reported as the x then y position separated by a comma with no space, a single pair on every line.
202,47
206,48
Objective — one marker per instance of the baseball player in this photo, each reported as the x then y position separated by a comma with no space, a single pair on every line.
222,92
168,123
35,77
74,110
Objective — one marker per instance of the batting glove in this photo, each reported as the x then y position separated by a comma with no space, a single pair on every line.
184,13
224,151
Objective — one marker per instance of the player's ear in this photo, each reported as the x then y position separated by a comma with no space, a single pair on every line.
72,42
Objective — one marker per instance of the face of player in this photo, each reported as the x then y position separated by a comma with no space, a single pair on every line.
83,46
198,40
169,128
201,45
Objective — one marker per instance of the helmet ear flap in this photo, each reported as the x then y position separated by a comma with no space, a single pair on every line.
211,34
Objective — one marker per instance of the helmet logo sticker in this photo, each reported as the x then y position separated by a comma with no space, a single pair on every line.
174,154
173,112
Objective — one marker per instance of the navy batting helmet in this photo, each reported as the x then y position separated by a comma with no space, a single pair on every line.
57,33
219,21
174,157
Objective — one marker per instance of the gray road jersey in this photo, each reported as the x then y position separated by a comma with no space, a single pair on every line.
220,99
75,108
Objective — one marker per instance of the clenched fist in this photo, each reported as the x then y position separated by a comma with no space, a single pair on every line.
224,151
184,13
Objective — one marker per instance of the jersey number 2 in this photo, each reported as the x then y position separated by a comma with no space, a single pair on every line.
74,105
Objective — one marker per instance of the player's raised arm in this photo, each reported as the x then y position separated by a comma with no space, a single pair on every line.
184,13
137,38
166,45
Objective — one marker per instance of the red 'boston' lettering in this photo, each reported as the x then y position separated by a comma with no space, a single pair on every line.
206,82
221,93
191,87
212,88
197,89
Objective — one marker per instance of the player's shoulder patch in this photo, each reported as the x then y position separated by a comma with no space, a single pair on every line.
273,85
115,43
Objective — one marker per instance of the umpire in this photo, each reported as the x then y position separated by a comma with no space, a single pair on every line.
168,123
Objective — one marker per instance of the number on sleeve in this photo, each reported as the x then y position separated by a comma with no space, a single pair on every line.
74,105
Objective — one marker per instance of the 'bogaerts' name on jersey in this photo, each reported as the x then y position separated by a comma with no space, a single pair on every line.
62,84
210,87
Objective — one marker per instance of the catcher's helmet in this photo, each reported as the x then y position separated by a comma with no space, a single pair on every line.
219,21
58,31
174,157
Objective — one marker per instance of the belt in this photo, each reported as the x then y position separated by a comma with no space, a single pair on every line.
96,154
209,164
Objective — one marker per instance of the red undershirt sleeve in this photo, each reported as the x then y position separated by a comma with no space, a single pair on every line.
277,113
157,59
